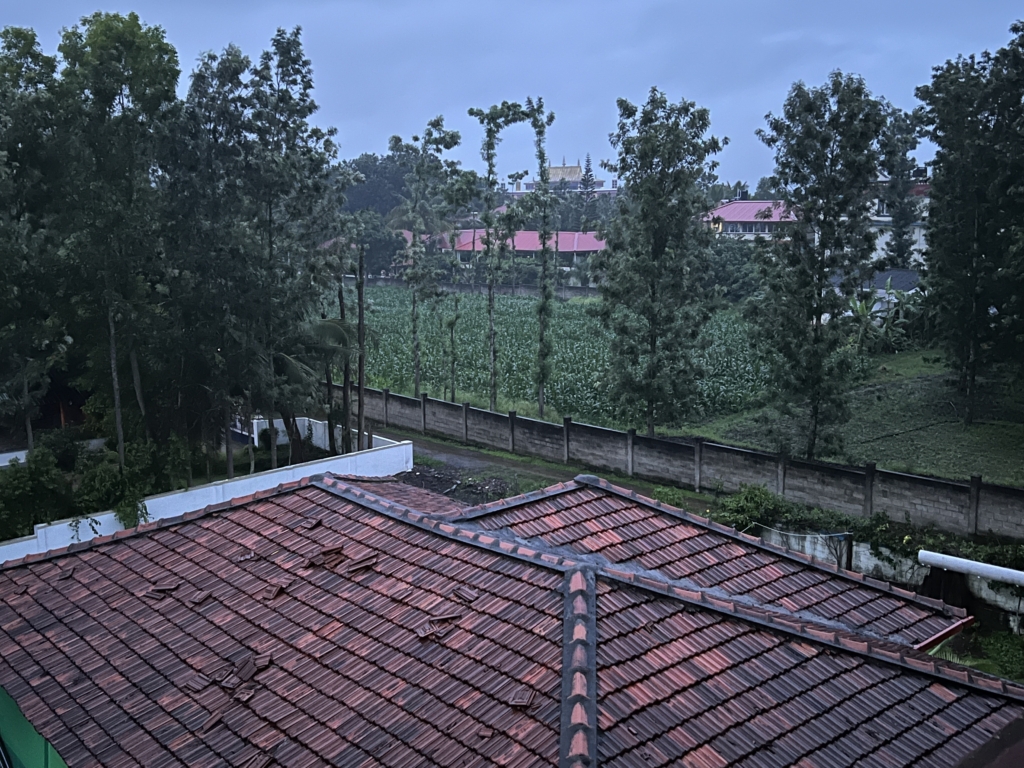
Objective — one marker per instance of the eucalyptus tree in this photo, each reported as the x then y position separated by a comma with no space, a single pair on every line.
542,201
496,119
826,162
119,78
421,213
459,190
652,298
973,113
289,164
213,286
32,326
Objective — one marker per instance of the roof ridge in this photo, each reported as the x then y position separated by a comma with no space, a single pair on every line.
807,629
756,541
511,502
152,525
848,641
481,538
578,726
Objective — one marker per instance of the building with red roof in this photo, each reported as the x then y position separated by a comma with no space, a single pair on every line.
746,219
344,622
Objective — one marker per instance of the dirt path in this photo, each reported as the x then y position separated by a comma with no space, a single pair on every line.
479,476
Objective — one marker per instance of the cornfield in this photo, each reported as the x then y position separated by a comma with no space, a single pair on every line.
733,375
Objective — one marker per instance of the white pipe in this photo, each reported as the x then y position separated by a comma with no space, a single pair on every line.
971,568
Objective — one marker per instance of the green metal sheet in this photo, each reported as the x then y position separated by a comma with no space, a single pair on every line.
25,747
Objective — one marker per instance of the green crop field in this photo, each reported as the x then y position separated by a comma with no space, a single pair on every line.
733,377
905,414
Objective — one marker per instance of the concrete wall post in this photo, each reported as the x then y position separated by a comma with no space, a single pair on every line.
423,412
869,489
387,393
975,503
630,436
465,423
566,429
511,431
780,476
698,450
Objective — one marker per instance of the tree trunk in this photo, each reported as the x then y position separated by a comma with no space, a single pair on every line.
346,392
203,438
455,320
972,374
415,344
28,411
137,384
250,447
117,386
332,440
493,349
272,431
650,418
361,341
229,448
812,435
296,448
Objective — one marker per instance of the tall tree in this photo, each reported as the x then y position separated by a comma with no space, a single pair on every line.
32,327
421,212
213,281
120,76
493,121
588,196
289,165
1008,88
826,161
542,202
765,190
896,143
650,272
965,245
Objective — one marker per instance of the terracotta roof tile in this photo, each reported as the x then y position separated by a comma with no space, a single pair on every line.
591,516
533,654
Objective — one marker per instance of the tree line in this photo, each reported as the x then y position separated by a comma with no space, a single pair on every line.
181,260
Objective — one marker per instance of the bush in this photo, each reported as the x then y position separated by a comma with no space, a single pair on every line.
33,492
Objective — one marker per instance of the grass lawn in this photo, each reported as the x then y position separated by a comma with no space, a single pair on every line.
907,416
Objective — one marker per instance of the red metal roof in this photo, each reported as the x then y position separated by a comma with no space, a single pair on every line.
750,211
321,624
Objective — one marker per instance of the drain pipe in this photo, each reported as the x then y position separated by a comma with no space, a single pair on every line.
971,568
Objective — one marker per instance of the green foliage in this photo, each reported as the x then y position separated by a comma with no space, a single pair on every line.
32,492
826,160
765,189
973,110
734,376
652,300
732,270
541,200
897,140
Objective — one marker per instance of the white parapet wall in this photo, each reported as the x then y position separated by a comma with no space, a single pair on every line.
315,430
386,458
7,458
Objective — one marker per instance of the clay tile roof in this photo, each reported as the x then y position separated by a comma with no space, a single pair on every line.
380,635
595,517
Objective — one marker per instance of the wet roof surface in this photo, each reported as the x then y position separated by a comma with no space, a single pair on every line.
322,624
628,529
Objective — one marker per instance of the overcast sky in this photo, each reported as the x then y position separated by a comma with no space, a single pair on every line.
383,67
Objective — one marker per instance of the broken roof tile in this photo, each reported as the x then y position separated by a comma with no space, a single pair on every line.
538,655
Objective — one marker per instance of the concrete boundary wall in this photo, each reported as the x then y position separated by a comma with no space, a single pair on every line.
386,458
965,508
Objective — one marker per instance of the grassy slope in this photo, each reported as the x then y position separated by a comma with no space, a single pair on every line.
907,418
